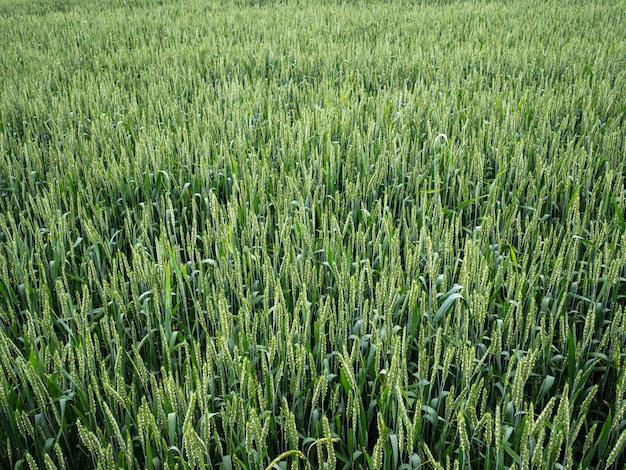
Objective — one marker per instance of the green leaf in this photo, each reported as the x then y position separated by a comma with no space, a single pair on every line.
571,357
172,423
547,385
227,463
447,301
393,438
603,438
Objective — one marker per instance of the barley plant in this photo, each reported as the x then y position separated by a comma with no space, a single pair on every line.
261,234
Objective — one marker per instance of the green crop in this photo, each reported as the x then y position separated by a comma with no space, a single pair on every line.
272,235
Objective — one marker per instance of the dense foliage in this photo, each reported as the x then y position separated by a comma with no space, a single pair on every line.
312,234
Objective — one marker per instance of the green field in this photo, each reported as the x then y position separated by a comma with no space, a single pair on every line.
312,234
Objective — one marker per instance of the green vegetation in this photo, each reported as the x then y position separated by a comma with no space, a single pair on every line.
264,234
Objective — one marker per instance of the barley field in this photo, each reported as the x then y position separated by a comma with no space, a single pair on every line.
312,234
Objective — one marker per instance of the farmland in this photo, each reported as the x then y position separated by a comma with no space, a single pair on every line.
291,235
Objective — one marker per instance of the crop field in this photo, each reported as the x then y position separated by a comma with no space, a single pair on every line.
312,234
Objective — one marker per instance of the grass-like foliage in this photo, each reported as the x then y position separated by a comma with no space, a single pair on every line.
291,235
